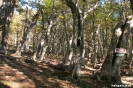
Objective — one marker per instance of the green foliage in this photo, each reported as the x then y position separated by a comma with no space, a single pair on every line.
16,23
19,8
105,15
45,4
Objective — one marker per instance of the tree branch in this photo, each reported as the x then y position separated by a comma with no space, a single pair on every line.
76,14
91,9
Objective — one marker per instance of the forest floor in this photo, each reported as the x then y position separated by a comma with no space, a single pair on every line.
15,72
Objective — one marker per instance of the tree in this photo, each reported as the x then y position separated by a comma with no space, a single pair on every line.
112,64
8,13
113,61
44,41
131,4
28,26
78,36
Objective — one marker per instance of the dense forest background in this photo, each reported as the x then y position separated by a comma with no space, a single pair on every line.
66,43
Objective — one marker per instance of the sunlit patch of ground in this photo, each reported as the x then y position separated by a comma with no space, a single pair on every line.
127,80
19,74
14,78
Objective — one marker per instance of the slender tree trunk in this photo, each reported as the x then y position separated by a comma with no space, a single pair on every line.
51,23
69,51
42,47
28,26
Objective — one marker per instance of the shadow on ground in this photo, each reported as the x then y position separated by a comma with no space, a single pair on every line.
16,73
3,85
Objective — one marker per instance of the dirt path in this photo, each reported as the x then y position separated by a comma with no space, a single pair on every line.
19,74
16,73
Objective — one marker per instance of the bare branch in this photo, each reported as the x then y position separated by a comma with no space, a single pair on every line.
91,9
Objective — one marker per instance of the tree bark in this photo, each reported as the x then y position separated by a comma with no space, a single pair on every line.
77,39
9,10
28,26
112,63
39,55
131,4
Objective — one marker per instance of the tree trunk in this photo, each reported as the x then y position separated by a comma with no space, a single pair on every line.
131,2
69,52
51,23
77,39
131,54
78,34
9,10
112,63
28,26
37,55
27,43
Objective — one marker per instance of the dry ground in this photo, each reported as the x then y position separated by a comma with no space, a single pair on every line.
15,72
